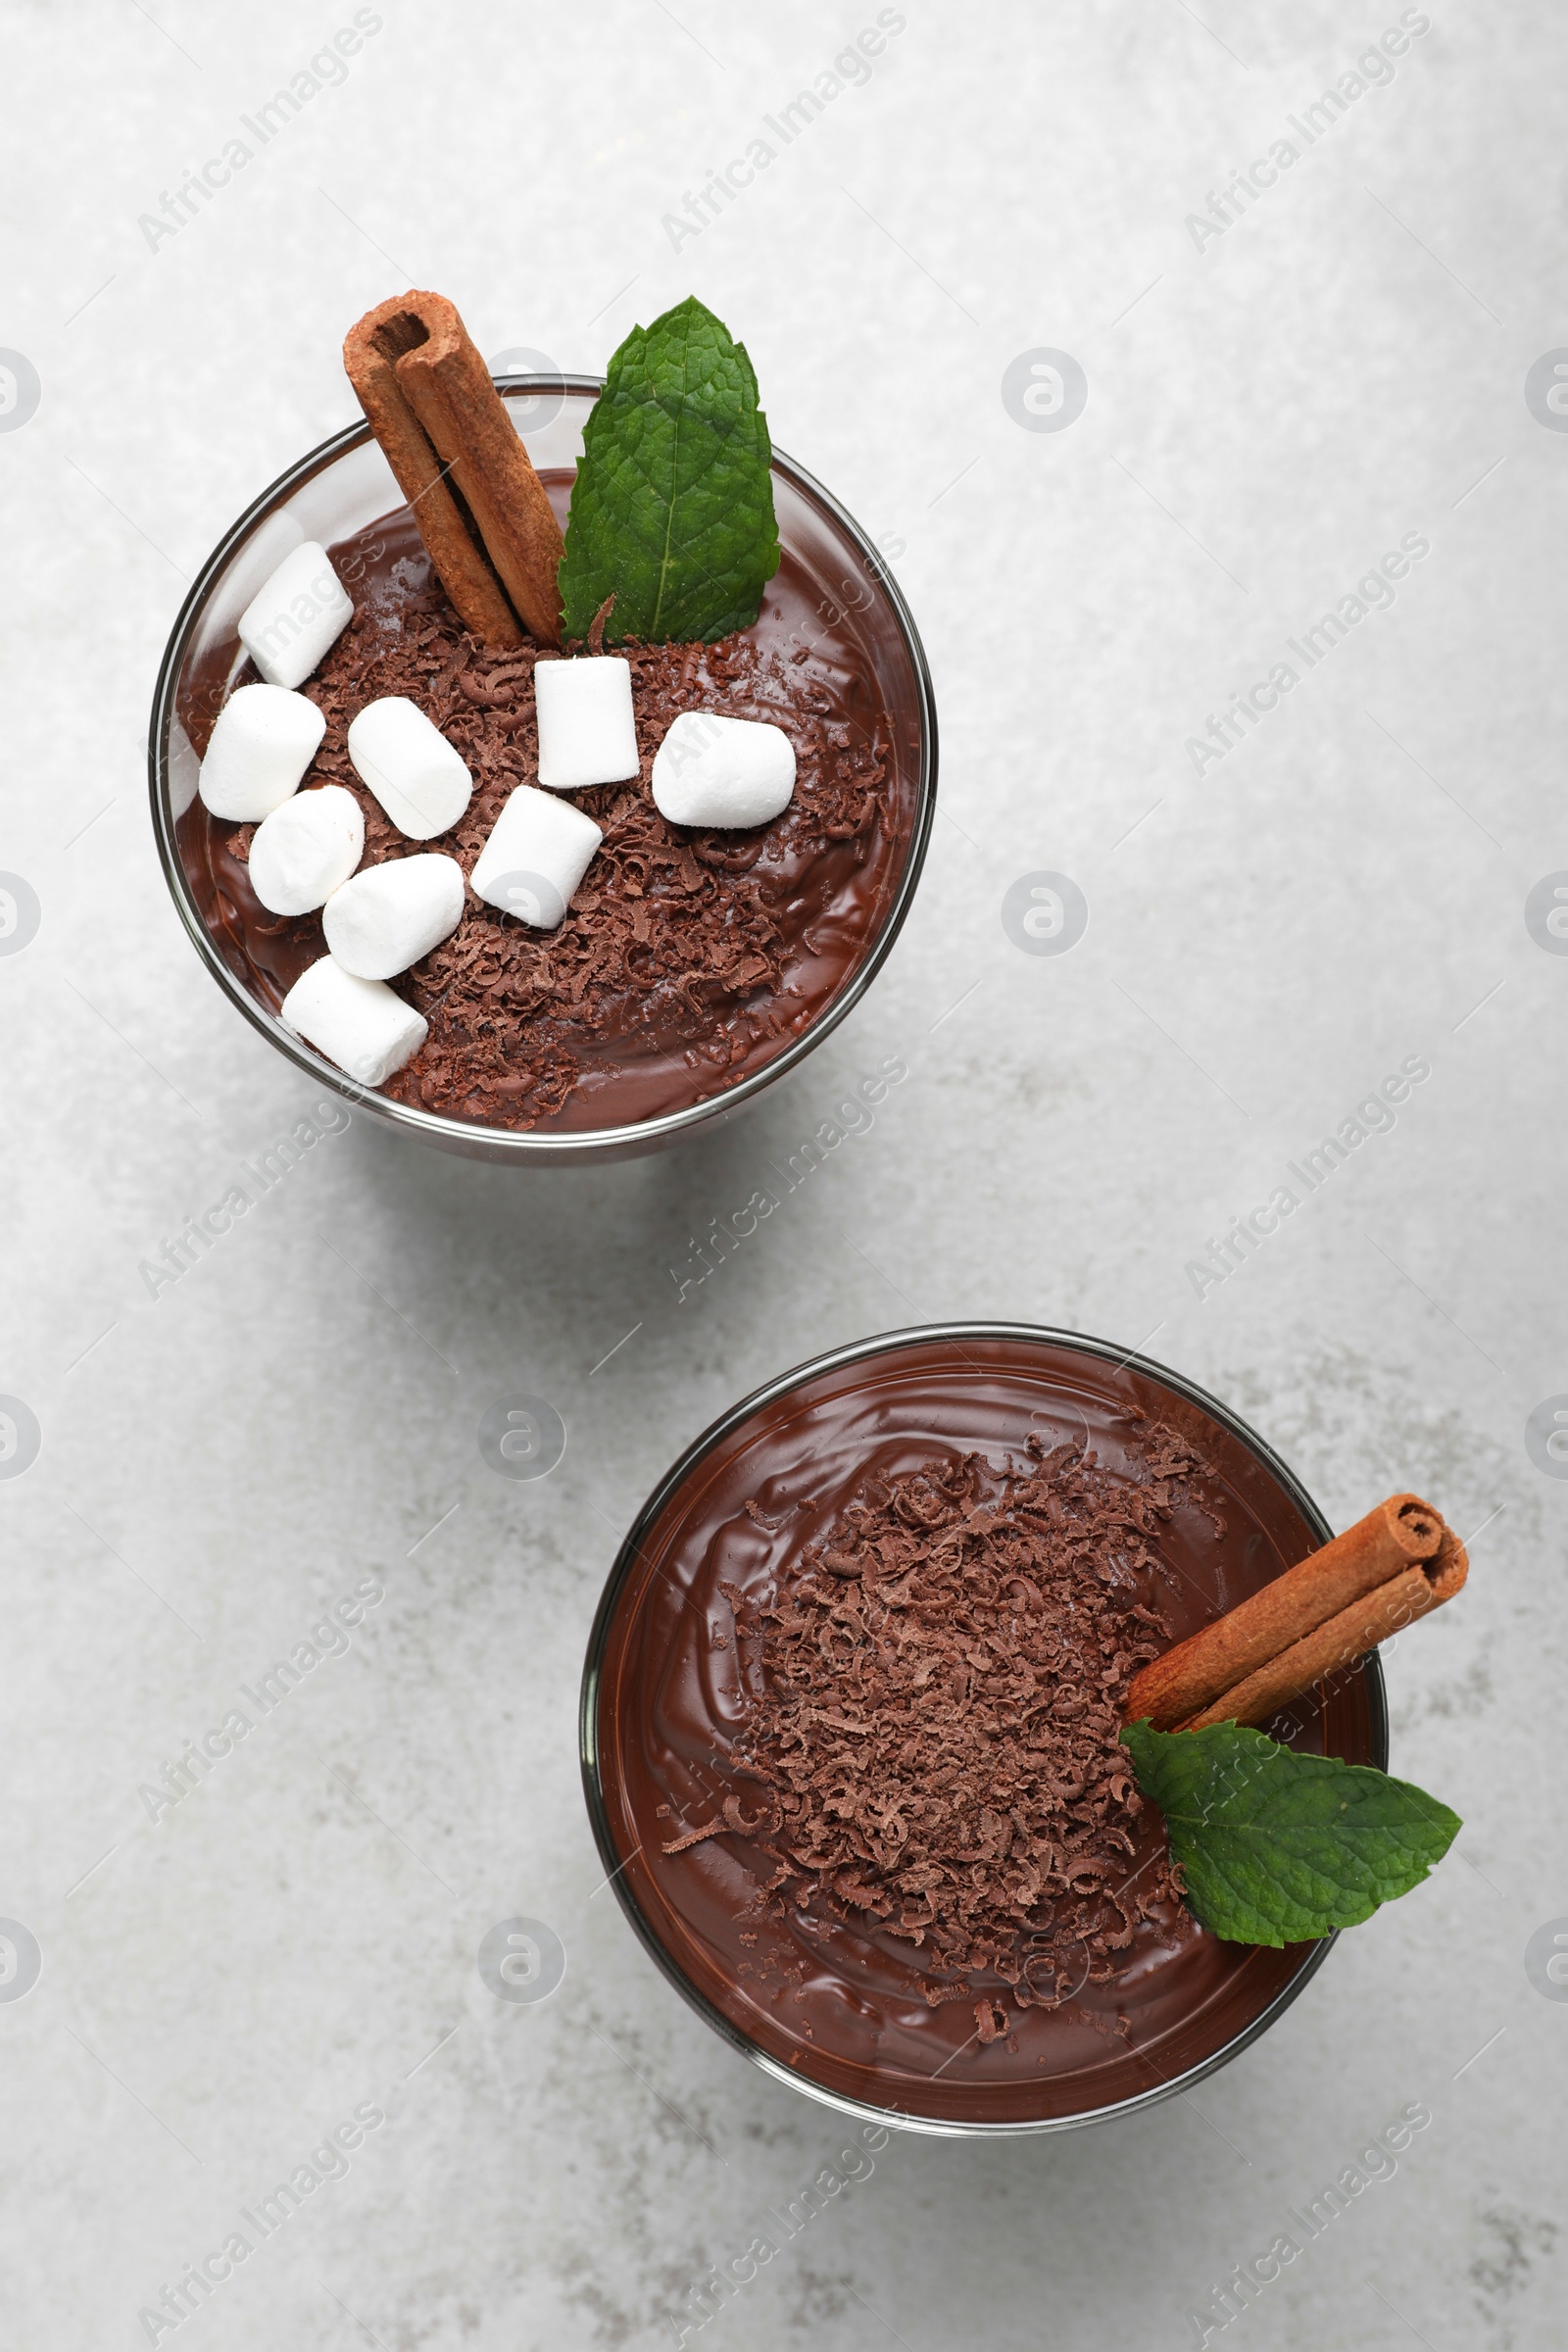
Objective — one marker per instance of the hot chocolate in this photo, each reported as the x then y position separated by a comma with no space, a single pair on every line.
690,958
932,1552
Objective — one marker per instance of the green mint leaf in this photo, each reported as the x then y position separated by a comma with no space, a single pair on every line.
1279,1848
672,509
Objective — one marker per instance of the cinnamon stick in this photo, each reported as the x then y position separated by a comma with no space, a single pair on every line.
1336,1644
450,390
371,353
1392,1567
482,510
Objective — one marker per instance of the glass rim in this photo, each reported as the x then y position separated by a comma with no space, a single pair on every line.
468,1136
770,1392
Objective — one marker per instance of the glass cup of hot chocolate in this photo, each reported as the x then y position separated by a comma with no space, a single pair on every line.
696,954
850,1716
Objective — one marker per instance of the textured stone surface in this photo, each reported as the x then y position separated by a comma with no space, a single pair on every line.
1265,940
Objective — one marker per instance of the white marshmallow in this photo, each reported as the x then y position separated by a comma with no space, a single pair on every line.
587,734
711,770
263,741
361,1025
538,852
306,849
387,917
421,780
291,622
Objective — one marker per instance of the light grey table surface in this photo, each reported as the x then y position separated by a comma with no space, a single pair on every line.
1270,409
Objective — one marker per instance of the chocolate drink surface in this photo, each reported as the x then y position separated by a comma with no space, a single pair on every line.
690,958
785,1879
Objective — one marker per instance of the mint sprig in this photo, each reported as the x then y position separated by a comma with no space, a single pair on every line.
1279,1848
672,509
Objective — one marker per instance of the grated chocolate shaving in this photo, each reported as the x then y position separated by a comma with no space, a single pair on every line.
936,1696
